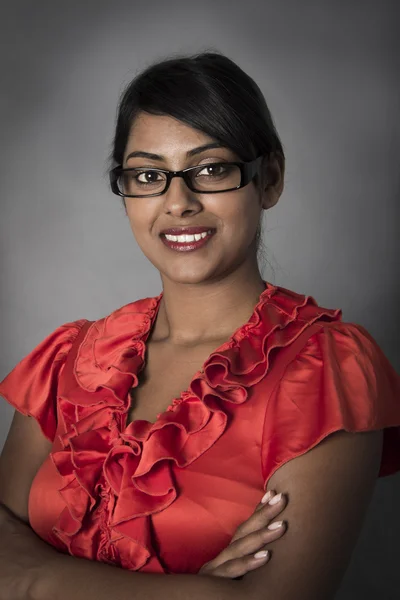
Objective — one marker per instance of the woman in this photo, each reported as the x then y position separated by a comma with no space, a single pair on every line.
157,429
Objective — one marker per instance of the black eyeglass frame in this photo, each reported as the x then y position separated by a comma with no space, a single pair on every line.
248,171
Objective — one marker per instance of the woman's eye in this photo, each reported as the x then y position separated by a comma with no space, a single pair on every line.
213,170
147,176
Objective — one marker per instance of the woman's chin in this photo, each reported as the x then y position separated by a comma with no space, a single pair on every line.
190,277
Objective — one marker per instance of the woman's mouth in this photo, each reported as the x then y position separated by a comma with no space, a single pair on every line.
187,242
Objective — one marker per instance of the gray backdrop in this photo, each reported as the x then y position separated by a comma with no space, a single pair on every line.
329,71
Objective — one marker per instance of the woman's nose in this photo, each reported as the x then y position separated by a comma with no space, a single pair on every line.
179,197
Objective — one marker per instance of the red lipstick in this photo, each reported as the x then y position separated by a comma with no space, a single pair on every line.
187,246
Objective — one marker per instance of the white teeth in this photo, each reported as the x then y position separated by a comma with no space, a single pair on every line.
187,238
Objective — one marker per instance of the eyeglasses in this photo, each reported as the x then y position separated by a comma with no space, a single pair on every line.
208,178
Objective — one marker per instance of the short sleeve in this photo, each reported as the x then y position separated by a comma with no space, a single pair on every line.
340,380
31,386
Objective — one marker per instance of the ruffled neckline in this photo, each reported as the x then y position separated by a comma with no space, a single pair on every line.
116,346
131,464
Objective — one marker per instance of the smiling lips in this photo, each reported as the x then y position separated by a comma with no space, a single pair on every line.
187,241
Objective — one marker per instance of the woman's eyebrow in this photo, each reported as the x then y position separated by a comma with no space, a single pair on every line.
189,153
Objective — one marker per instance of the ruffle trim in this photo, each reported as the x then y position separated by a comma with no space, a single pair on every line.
98,451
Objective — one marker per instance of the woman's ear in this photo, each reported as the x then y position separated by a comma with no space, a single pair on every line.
273,172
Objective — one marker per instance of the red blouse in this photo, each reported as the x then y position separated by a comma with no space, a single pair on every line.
166,497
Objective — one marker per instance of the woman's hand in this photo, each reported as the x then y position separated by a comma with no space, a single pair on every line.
23,556
250,537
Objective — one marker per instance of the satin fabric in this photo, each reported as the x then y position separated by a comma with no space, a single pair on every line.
166,497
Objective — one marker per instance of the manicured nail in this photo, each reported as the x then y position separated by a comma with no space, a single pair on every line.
267,497
261,554
275,525
275,499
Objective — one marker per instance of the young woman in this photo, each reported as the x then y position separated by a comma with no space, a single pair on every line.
157,429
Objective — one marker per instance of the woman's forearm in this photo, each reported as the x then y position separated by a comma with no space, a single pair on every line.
30,569
82,579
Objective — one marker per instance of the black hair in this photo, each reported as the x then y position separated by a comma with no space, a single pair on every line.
209,92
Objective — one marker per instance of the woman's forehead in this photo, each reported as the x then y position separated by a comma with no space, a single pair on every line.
165,136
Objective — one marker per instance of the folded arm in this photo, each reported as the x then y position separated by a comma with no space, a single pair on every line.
329,490
31,569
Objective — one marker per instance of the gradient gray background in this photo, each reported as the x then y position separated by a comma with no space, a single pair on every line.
329,71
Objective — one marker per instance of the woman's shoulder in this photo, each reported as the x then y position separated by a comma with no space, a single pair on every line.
339,379
330,335
135,313
295,306
337,354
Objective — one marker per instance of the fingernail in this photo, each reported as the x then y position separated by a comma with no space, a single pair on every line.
275,525
261,554
275,499
267,497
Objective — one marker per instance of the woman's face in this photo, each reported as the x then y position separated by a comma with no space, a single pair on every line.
234,215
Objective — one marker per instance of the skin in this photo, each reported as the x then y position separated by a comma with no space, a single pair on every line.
210,292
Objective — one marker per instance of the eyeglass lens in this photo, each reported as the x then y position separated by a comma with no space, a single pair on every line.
209,178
